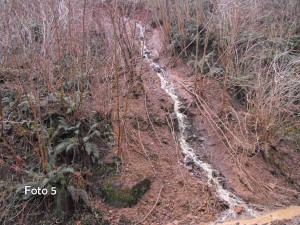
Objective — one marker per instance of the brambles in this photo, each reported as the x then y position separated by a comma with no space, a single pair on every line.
60,86
253,54
75,92
70,143
186,40
59,186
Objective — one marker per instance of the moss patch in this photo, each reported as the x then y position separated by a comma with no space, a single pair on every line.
118,196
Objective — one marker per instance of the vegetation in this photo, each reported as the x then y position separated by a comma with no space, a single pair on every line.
70,71
252,48
58,92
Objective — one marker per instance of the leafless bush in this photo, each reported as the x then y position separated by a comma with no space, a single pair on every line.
258,49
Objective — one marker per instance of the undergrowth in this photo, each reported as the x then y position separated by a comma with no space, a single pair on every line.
251,49
62,87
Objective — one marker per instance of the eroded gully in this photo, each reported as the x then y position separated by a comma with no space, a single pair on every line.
189,153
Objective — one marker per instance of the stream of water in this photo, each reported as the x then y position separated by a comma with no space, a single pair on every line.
189,154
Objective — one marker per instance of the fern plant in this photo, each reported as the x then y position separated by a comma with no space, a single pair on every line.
74,140
65,191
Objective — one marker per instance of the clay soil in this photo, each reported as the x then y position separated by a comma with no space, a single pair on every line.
150,151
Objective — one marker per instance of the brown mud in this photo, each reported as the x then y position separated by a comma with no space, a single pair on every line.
151,151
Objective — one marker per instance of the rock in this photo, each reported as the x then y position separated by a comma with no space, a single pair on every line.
190,168
201,139
215,173
157,69
189,139
190,162
239,209
182,108
165,141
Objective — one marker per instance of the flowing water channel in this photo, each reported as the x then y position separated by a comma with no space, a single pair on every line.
189,154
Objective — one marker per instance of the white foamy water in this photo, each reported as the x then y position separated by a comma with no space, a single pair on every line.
189,153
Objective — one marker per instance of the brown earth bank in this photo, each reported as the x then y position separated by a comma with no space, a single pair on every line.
269,187
152,166
151,151
253,178
175,194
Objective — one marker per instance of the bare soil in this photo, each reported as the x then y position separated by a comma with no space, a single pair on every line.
150,151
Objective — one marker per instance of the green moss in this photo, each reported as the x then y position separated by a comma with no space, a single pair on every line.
118,196
141,188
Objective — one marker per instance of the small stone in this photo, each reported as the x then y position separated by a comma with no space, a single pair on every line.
201,139
157,69
190,168
165,141
238,209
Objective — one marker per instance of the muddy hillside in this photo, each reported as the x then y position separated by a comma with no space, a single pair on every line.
150,112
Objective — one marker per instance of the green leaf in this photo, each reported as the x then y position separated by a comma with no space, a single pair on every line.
79,193
62,122
93,128
6,100
60,203
44,183
85,139
71,105
70,110
24,106
91,148
71,146
61,147
84,196
72,129
96,133
73,193
67,170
